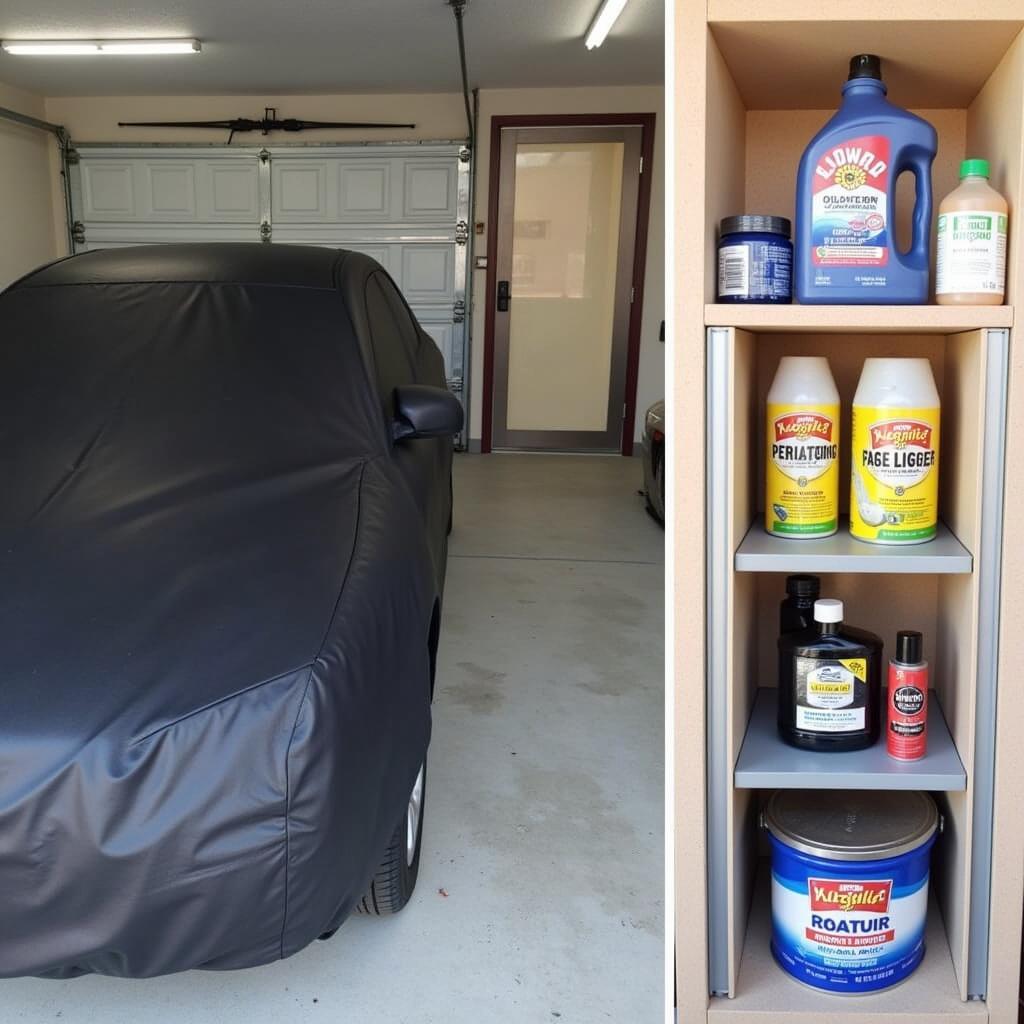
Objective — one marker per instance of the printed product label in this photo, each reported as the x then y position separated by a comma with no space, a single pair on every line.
895,489
756,270
733,271
802,475
971,256
906,729
831,696
848,934
850,206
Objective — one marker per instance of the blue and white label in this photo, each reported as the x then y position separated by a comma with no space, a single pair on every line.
755,270
849,927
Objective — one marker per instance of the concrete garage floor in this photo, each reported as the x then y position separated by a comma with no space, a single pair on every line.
540,896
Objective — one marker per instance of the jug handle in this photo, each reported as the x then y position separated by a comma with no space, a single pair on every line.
922,221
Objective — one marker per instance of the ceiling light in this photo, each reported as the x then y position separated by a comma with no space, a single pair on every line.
88,47
602,23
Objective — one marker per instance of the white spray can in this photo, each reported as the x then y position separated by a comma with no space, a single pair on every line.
894,493
802,457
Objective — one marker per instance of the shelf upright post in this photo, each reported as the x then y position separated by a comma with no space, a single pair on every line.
719,455
988,565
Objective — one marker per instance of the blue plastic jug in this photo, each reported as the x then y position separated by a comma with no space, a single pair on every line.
845,247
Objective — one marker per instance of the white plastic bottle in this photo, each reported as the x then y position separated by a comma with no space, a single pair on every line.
802,434
971,261
894,492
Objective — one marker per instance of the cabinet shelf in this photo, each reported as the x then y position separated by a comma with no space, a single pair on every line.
768,319
764,992
761,552
766,762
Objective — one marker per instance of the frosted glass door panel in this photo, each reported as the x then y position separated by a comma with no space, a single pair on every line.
565,243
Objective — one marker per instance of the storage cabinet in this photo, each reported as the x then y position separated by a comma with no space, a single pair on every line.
937,588
753,85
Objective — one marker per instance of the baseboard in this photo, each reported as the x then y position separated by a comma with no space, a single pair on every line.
473,447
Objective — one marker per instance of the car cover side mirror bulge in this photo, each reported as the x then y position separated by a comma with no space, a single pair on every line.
425,411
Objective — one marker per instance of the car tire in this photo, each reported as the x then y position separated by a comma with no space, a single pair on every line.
659,479
659,483
392,885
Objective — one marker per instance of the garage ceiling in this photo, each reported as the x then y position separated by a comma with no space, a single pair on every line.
308,46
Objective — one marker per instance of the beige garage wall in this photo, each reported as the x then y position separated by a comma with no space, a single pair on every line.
437,116
26,210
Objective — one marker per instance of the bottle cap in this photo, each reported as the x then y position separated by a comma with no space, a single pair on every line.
828,609
909,647
865,65
756,222
975,168
803,585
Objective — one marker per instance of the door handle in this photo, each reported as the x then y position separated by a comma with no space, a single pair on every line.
503,296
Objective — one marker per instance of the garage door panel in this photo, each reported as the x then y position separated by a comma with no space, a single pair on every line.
299,191
108,191
170,191
431,191
165,191
365,192
428,273
105,237
397,203
233,192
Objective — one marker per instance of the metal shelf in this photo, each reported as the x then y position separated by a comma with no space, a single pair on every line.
767,762
761,552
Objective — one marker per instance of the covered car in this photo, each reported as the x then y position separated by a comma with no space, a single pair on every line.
223,533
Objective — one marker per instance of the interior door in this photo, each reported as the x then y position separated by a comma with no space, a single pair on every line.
565,255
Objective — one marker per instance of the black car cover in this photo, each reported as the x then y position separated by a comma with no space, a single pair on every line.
219,579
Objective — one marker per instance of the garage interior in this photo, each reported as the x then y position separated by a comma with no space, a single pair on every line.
540,894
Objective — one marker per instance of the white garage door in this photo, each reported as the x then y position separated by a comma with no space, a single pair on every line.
405,205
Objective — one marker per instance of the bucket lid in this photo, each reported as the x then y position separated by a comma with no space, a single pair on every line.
851,824
756,222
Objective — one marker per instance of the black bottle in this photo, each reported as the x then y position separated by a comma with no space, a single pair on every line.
796,612
830,684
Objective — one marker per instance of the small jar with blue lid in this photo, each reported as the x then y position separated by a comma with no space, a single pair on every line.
755,259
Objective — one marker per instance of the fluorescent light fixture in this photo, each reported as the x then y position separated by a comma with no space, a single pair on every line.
603,21
49,49
91,47
142,46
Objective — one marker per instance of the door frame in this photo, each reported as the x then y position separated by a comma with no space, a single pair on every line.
646,122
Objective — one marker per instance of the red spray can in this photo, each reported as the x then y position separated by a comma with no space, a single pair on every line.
906,726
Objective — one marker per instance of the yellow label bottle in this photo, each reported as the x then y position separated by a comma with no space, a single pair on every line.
802,450
894,492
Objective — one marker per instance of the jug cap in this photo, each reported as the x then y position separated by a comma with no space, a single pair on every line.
828,609
865,65
978,168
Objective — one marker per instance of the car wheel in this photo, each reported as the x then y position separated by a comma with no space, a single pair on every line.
395,879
